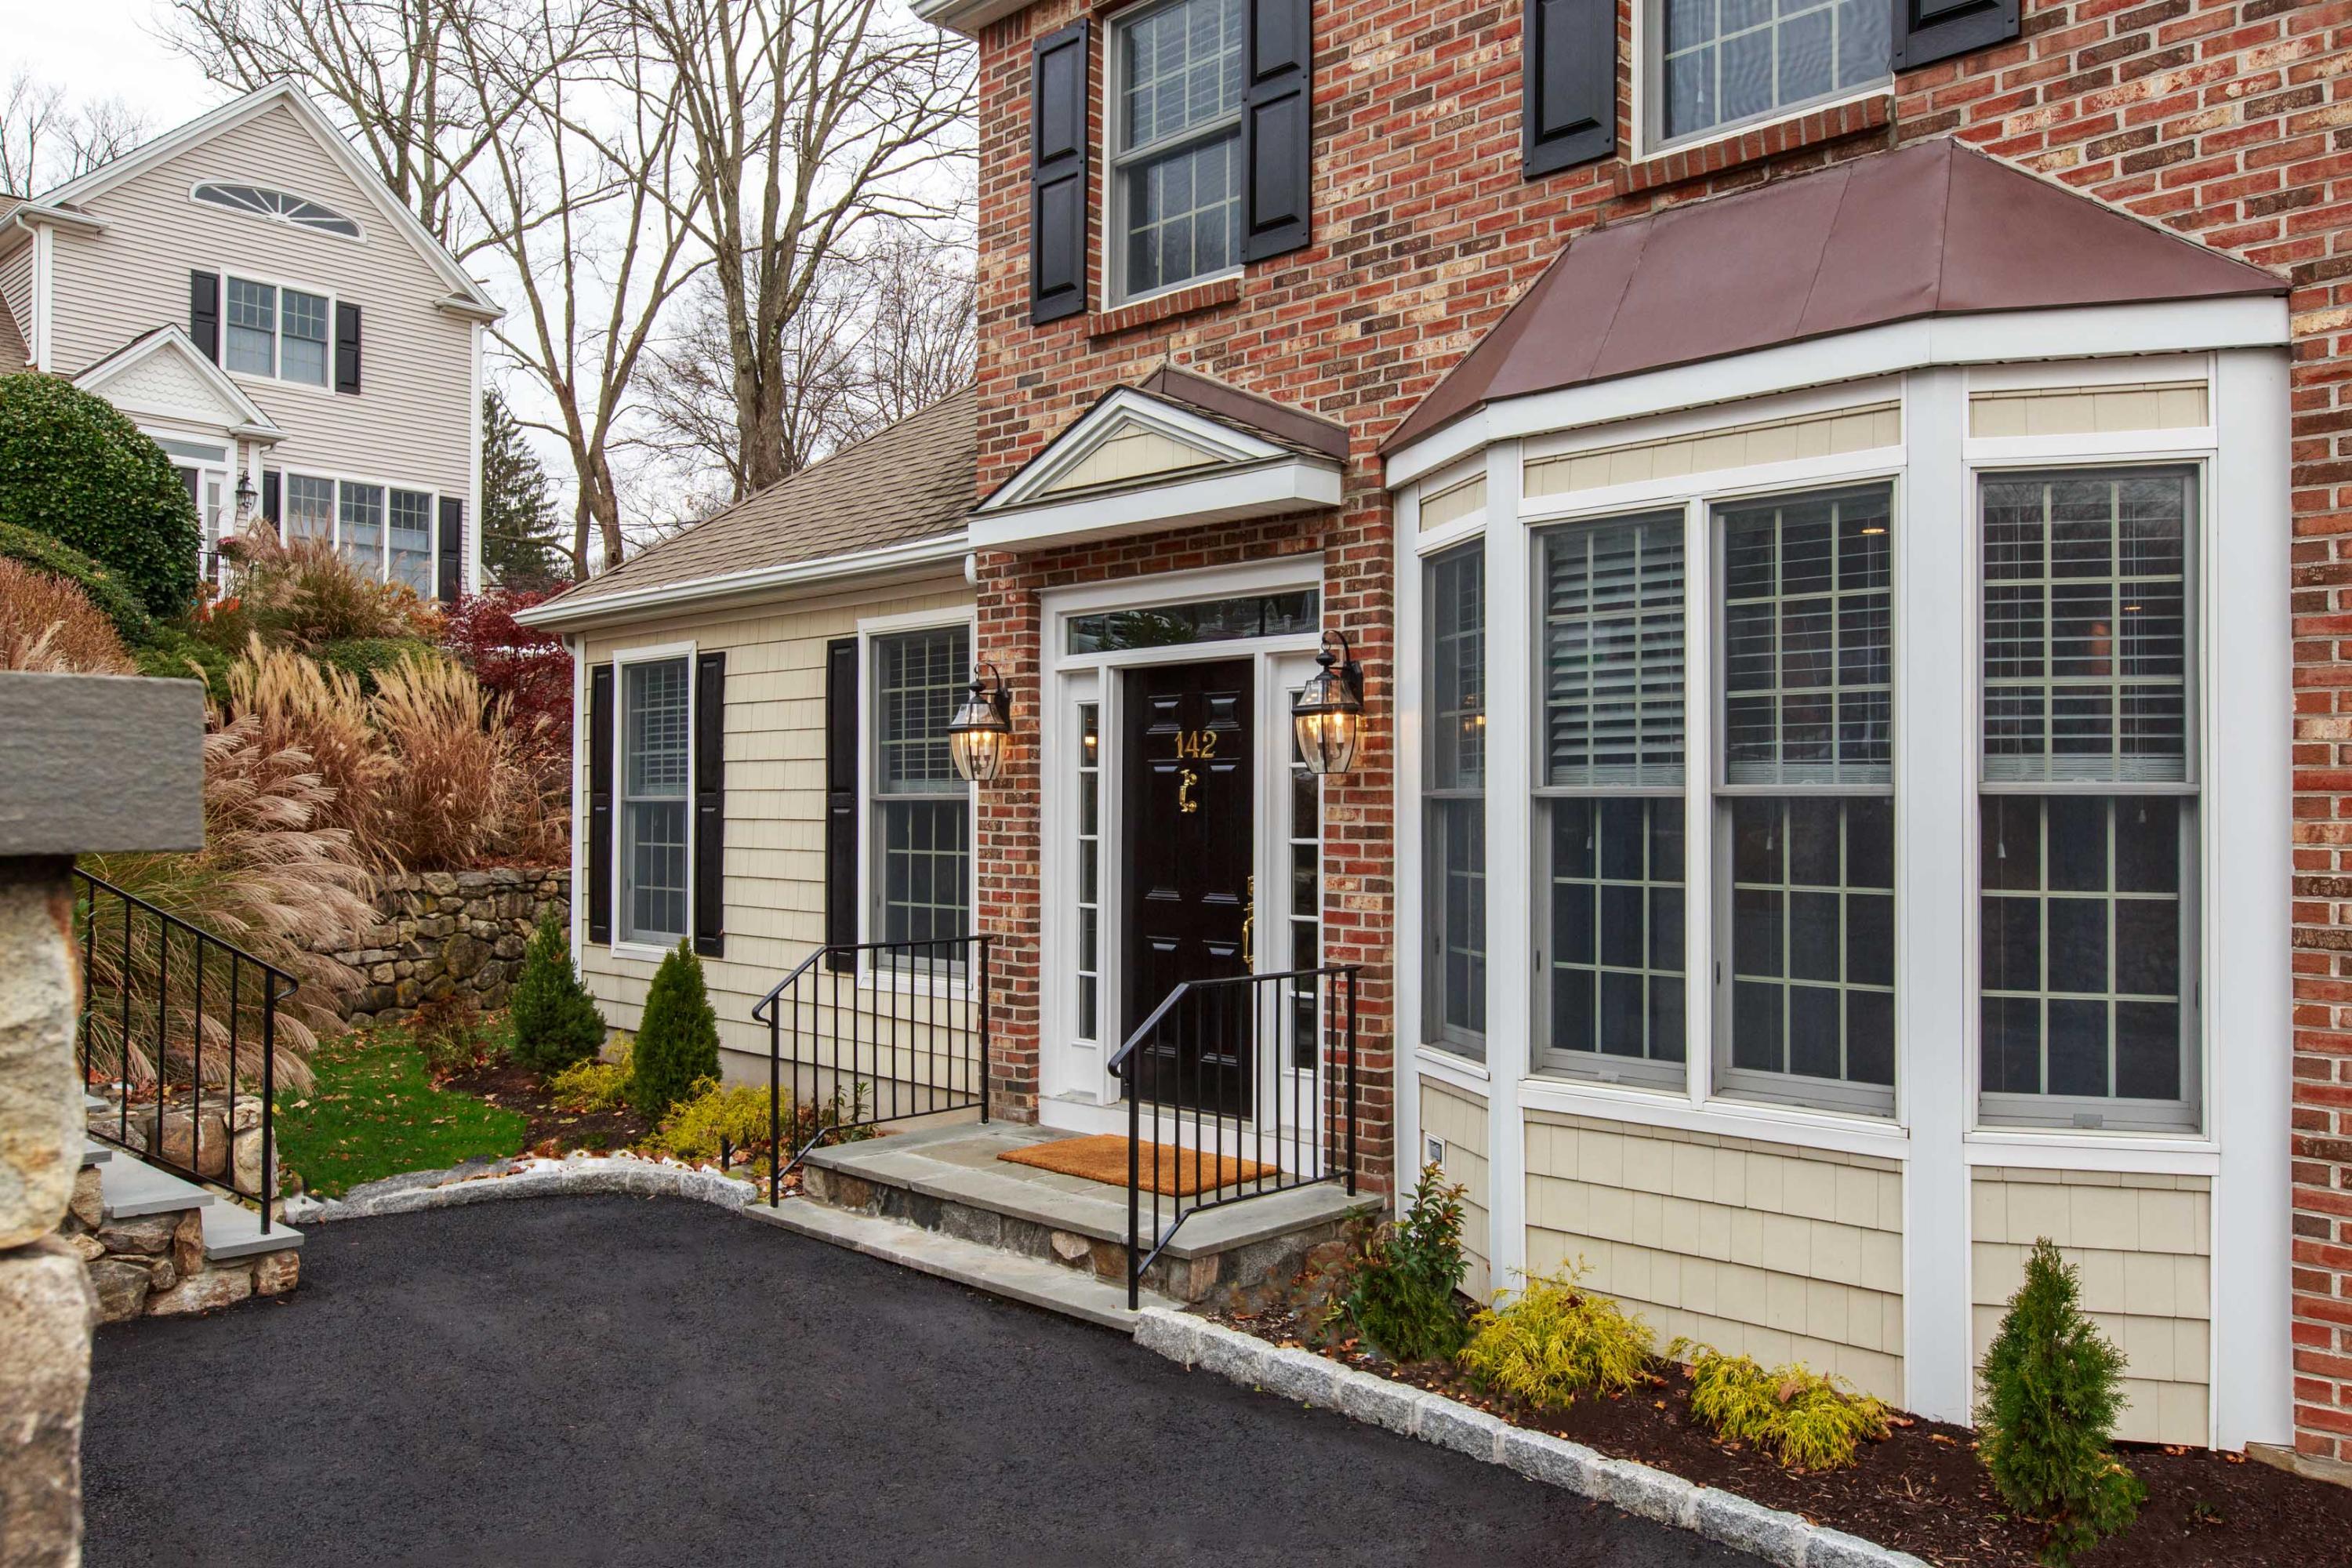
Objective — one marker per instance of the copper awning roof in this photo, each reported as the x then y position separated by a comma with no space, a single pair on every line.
1933,229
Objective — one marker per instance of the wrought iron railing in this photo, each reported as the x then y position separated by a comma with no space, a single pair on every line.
168,1009
1251,1086
873,1032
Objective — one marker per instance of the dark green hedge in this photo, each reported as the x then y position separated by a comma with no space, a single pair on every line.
75,469
115,601
368,657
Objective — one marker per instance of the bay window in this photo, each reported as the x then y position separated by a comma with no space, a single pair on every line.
1804,811
1454,802
2087,804
923,807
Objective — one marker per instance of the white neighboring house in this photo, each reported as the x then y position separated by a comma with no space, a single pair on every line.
247,292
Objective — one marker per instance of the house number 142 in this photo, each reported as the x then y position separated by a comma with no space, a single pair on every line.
1196,743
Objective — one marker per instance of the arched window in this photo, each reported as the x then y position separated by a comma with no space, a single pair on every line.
283,205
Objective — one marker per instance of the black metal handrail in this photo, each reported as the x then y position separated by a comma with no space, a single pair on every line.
1270,1061
155,970
927,1016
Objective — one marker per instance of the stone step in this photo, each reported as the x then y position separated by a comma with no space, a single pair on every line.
999,1273
130,1188
94,1153
232,1230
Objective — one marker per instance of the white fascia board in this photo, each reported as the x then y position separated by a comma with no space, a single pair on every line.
468,308
30,215
1218,442
965,17
826,571
2195,326
1267,489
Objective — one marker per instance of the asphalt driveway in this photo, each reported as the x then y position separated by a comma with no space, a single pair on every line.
617,1379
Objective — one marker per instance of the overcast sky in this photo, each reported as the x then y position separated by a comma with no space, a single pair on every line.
104,48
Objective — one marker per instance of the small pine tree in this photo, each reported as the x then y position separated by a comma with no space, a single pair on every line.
555,1020
1403,1275
2053,1387
677,1038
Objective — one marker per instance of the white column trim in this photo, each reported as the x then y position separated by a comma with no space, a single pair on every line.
1510,893
1407,702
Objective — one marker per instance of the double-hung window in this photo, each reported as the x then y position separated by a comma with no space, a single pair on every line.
655,811
274,332
1453,799
362,521
1711,65
923,807
1609,808
411,541
1175,143
2088,805
1805,806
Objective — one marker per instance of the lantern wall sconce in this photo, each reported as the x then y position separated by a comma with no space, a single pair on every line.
982,731
1328,712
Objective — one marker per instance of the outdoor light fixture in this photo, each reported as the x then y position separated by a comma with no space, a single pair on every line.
245,496
981,728
1328,711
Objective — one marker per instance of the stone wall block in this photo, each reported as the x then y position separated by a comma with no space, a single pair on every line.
46,1311
40,1102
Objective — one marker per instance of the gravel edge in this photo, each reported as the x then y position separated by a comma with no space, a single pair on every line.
475,1184
1776,1537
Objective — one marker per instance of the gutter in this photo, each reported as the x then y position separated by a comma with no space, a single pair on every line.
31,216
965,17
632,603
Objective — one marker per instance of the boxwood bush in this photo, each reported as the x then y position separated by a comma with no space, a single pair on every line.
75,469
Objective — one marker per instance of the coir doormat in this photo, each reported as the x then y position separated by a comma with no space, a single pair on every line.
1172,1172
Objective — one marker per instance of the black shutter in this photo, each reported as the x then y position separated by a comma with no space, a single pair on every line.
270,504
1057,174
452,548
347,348
1277,129
841,799
1568,67
1926,31
600,804
203,313
711,804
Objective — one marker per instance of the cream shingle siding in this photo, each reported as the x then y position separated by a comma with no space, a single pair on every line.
2143,1246
775,794
2089,410
1831,434
411,424
1460,1121
1760,1248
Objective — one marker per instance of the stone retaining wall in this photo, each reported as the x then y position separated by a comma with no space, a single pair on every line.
153,1265
450,931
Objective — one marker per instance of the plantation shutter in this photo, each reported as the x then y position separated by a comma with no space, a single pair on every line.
711,804
347,348
1926,31
600,804
452,549
203,313
1613,654
1058,176
271,507
841,798
1277,129
1568,68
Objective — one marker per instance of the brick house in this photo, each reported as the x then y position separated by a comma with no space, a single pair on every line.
1866,457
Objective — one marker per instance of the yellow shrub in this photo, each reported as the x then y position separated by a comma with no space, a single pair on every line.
593,1085
713,1113
1803,1419
1557,1340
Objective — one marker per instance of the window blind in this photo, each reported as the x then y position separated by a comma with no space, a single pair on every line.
1613,654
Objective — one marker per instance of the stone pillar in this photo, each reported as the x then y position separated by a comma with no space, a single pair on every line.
87,762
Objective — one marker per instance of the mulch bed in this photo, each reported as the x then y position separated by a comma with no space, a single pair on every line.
518,1089
1923,1490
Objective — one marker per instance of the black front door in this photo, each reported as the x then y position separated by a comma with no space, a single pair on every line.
1189,810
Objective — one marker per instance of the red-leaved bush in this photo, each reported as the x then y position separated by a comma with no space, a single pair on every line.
531,670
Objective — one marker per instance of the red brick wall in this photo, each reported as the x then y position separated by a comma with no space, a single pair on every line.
2230,121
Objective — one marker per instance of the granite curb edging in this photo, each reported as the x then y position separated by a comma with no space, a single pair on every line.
1777,1537
490,1182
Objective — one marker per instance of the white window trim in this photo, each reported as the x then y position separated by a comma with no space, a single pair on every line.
1114,227
278,328
281,220
871,975
1649,108
384,556
650,653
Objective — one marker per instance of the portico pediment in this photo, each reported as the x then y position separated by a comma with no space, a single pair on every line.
160,375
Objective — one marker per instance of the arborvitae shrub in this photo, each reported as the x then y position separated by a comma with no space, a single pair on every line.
1404,1274
1557,1340
2052,1389
678,1039
556,1021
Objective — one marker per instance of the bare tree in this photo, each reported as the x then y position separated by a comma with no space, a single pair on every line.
922,339
807,122
44,141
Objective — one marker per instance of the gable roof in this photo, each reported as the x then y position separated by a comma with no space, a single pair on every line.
1933,229
897,498
464,294
240,413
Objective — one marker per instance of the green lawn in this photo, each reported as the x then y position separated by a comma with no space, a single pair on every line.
373,1112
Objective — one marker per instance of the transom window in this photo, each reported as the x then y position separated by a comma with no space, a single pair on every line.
283,205
1175,132
1208,620
1715,64
923,806
2087,829
274,332
655,765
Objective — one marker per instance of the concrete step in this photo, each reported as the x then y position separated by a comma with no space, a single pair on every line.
1028,1280
232,1230
130,1188
94,1153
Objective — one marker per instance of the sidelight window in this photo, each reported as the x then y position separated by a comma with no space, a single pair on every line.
923,807
1454,802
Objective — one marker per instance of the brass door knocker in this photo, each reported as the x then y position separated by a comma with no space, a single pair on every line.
1186,780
